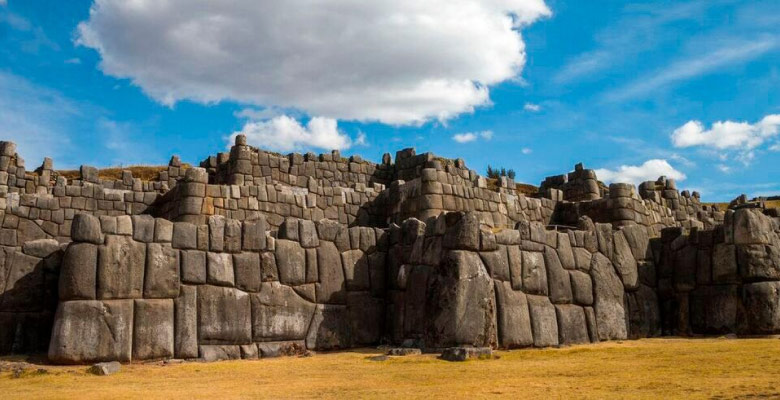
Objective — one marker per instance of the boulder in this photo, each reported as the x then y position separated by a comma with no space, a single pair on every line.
329,328
278,349
572,327
462,295
185,343
513,319
161,279
544,323
86,228
220,269
279,314
210,353
624,261
761,308
332,287
153,329
557,278
224,315
291,262
534,273
466,353
121,264
78,274
105,368
608,297
247,271
91,331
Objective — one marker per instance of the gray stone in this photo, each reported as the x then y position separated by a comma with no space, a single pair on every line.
185,344
328,230
216,233
403,351
761,302
638,241
355,270
572,327
220,269
278,349
307,233
91,331
582,259
593,328
514,321
279,314
211,353
581,288
366,316
224,315
161,279
86,228
247,271
288,230
254,234
153,329
557,278
185,236
163,230
565,253
624,262
249,351
329,328
291,262
463,296
644,315
268,271
497,263
544,324
143,228
752,227
534,273
332,286
463,233
759,262
40,248
121,268
724,264
608,297
714,309
193,266
78,275
515,259
232,236
466,353
685,268
105,368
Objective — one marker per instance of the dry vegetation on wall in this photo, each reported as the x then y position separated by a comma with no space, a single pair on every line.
648,368
144,172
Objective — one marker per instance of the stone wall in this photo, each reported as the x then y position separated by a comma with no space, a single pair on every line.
724,280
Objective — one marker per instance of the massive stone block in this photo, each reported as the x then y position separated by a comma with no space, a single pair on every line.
513,318
572,327
185,343
279,314
534,273
714,309
78,276
88,331
291,261
153,329
608,296
761,308
544,323
161,279
758,262
581,287
463,300
247,271
193,266
752,227
332,286
355,270
624,262
121,268
220,269
557,278
644,316
366,317
329,328
224,315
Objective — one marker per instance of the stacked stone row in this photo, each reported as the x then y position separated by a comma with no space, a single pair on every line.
137,288
725,280
578,185
193,199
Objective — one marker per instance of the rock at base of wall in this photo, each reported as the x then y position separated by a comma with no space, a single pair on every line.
761,308
608,297
211,353
105,368
224,315
153,329
279,314
513,319
92,330
329,329
572,327
544,322
466,353
279,349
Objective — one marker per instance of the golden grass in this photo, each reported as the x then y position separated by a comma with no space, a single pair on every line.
652,368
144,172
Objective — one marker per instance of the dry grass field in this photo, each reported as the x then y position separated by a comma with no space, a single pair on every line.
654,368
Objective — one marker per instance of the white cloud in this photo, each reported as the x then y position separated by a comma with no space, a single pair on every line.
741,137
526,150
286,134
472,136
724,168
532,107
3,2
649,170
394,61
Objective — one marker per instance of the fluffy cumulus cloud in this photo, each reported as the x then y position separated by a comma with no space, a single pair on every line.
636,174
532,107
393,61
472,136
286,134
727,134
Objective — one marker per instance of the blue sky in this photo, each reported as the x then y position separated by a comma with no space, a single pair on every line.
689,89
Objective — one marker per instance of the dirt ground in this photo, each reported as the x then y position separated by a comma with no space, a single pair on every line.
652,368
